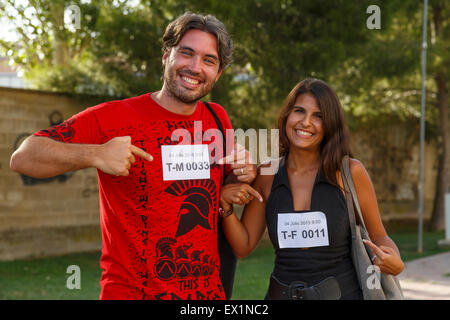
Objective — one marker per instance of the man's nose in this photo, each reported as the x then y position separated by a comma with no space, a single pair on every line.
195,65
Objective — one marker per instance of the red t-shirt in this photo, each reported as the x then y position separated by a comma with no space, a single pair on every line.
159,237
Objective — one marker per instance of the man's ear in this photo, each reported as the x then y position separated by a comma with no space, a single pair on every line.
165,56
218,74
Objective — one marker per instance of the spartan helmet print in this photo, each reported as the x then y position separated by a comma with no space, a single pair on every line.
194,211
164,247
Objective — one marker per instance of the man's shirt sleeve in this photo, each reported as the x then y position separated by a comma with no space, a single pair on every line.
81,128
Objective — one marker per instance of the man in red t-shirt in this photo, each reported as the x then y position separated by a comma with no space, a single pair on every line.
159,183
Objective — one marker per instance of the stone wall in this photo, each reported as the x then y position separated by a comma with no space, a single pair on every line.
42,217
390,153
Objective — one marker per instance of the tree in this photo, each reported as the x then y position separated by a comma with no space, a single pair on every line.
46,48
439,63
115,51
385,79
277,44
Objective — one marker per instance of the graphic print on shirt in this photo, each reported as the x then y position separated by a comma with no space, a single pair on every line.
195,208
175,260
178,261
62,132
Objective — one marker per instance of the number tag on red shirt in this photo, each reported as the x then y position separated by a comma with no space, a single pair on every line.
185,162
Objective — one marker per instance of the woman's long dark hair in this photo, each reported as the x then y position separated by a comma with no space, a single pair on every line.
336,141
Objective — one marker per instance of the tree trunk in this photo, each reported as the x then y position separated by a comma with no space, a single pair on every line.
61,51
437,221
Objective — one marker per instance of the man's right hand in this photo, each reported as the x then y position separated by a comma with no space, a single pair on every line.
116,156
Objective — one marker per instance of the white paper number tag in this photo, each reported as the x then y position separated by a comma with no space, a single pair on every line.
185,162
302,230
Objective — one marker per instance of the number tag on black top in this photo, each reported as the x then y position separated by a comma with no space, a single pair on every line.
302,230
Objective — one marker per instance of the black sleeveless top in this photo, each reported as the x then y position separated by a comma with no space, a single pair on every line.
314,264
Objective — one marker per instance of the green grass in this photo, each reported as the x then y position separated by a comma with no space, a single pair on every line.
407,243
46,278
253,272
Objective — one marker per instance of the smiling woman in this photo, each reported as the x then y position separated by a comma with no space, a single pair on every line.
325,116
304,206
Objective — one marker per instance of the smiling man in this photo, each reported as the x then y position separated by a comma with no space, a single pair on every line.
191,70
160,229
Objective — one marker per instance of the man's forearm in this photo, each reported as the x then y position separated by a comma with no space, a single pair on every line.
42,157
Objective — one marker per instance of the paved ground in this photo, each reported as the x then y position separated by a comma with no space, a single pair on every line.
427,278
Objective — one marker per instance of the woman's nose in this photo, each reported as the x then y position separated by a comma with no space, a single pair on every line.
306,120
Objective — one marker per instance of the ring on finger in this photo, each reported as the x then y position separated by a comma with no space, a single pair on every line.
247,196
374,257
242,171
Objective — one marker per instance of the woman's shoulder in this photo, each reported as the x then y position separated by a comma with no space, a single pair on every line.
357,169
355,165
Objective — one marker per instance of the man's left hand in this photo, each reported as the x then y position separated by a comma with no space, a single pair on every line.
242,164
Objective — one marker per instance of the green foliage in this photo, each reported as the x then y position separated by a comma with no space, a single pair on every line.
384,78
117,51
128,49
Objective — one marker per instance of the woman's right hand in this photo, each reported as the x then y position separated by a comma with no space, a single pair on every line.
237,193
242,233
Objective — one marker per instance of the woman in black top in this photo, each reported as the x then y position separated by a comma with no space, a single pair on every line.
303,205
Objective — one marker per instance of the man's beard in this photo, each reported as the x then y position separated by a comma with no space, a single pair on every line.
183,94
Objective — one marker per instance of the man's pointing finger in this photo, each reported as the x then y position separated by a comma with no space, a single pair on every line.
141,153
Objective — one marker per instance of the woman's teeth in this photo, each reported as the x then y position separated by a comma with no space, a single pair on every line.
303,133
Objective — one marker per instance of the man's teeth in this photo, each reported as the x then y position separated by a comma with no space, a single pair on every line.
303,133
189,80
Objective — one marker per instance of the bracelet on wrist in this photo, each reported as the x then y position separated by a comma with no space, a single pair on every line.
224,214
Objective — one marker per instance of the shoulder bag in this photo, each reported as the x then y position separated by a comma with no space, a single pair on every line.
228,260
374,284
